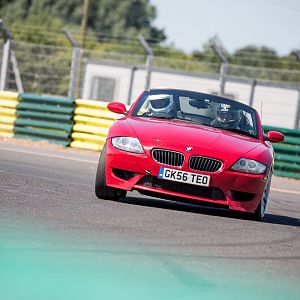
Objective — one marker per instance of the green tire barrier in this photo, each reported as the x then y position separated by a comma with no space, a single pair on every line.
38,139
287,174
40,107
46,99
44,118
287,158
287,149
287,154
285,131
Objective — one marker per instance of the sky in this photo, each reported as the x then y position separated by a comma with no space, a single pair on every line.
188,24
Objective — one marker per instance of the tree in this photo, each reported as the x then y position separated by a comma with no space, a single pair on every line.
109,17
256,56
207,53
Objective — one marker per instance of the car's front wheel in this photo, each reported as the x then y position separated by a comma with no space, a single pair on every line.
261,209
103,191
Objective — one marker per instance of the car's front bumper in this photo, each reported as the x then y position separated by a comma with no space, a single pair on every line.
130,171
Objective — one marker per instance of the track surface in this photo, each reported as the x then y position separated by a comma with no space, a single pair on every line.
53,189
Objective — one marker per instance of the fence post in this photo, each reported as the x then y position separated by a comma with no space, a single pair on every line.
133,69
6,55
297,116
224,66
76,52
16,71
149,61
223,72
253,85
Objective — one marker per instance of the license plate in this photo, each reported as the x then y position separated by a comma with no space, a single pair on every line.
182,176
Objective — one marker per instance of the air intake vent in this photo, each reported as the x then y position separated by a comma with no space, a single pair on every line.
205,164
168,157
182,188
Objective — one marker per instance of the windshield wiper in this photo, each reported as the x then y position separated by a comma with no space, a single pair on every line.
184,119
238,131
171,118
157,116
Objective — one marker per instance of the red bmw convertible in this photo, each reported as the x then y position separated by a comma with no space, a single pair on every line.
189,147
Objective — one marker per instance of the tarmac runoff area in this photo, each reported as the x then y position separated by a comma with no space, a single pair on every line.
57,238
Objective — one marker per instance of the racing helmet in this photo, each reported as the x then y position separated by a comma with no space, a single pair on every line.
161,103
228,115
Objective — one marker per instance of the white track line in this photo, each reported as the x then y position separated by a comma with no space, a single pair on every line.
49,155
95,162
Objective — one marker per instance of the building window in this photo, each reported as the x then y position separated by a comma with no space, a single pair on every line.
103,89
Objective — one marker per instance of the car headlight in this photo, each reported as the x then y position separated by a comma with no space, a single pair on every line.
128,144
246,165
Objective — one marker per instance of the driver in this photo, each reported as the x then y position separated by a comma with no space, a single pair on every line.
228,117
161,105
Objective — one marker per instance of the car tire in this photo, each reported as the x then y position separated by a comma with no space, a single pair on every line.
261,209
103,191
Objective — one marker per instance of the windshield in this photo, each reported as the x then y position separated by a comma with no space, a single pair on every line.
199,108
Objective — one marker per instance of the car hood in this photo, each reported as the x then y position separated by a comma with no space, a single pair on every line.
177,135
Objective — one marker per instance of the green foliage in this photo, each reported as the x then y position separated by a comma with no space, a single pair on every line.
113,29
39,29
207,53
44,69
255,56
251,55
109,17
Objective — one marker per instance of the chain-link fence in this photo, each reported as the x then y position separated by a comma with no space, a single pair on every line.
46,69
188,66
275,77
43,69
125,58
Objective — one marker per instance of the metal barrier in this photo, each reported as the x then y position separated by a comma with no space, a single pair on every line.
44,117
8,104
91,123
287,154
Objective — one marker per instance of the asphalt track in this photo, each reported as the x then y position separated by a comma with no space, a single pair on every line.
51,190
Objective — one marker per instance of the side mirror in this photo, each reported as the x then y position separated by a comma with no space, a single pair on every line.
117,107
275,137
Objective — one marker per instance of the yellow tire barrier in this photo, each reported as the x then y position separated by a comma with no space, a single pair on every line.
7,120
8,104
6,134
88,137
85,145
92,121
6,127
90,129
7,111
91,103
98,113
9,95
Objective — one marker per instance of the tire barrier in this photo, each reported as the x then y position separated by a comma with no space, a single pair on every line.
44,118
8,104
287,154
92,120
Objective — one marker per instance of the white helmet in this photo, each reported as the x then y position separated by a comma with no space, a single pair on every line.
228,115
161,103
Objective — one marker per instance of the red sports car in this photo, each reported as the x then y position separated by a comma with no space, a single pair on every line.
189,147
